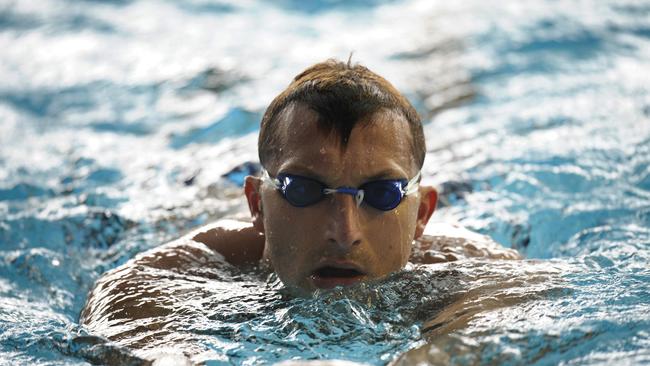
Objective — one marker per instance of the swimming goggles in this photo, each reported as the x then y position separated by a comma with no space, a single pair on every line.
383,194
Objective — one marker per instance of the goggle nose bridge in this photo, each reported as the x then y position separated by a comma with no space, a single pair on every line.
357,193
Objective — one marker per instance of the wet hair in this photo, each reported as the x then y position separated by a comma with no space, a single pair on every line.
342,95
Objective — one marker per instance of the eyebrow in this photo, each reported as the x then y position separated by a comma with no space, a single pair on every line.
386,174
302,170
309,173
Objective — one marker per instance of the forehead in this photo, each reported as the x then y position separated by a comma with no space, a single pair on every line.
381,142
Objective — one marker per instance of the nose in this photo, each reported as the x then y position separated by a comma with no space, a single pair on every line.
343,226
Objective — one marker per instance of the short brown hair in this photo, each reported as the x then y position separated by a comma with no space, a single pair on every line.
342,95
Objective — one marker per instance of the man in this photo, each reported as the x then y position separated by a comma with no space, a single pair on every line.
339,200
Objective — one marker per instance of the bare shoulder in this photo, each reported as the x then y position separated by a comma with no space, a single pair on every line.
449,242
236,242
119,293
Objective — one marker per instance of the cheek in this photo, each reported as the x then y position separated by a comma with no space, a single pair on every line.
285,222
280,238
396,232
288,234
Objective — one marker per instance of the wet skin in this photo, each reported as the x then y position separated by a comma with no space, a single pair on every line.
328,244
334,242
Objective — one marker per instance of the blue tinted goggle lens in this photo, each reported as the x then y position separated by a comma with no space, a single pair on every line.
384,194
300,191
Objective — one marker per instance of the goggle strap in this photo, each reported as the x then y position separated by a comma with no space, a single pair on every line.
412,185
273,181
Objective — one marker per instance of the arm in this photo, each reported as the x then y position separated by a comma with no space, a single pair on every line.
131,291
446,243
238,241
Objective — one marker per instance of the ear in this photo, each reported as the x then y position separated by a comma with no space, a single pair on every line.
252,186
428,200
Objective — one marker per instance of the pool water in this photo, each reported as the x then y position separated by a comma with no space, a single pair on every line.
124,124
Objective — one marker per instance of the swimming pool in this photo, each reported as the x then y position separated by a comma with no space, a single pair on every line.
121,124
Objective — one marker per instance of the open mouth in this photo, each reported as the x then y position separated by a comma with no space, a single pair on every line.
330,277
337,272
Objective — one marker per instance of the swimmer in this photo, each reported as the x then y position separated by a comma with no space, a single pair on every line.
339,200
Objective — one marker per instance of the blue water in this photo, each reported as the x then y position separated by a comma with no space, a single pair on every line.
124,124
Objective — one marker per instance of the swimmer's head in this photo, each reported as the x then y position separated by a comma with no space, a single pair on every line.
341,95
342,149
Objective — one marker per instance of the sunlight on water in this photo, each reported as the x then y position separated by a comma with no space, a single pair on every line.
126,123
